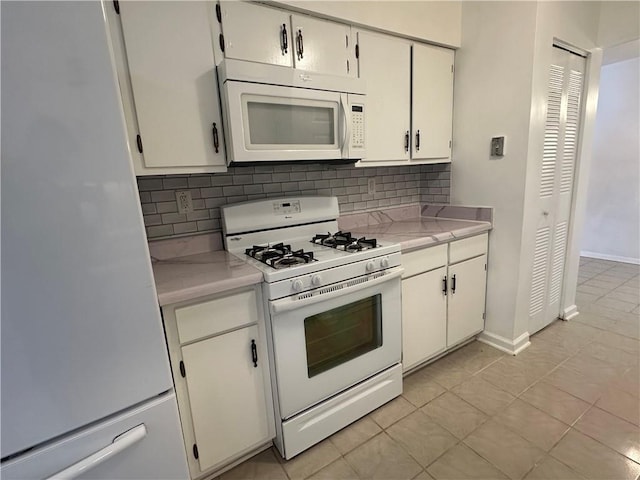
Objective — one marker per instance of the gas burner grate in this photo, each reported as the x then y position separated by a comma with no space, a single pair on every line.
344,241
279,255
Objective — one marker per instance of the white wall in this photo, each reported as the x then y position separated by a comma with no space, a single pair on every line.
576,25
612,223
492,97
500,89
433,21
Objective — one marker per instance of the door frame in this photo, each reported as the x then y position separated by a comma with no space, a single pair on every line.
569,310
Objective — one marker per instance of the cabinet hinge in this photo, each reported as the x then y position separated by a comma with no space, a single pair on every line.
195,451
139,142
183,371
451,68
347,66
449,143
484,315
485,267
218,13
357,51
221,40
116,6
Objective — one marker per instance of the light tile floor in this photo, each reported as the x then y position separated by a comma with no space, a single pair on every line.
567,407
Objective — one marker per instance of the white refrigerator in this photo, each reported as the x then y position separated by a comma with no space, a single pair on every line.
86,388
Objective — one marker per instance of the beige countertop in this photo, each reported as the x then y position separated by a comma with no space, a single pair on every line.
189,277
421,232
183,278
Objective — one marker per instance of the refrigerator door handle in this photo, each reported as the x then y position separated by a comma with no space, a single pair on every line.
120,443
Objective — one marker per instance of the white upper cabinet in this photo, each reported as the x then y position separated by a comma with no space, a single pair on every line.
173,87
432,112
256,33
321,46
385,65
409,100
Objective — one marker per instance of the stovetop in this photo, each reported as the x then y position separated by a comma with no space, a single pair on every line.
320,257
292,237
282,255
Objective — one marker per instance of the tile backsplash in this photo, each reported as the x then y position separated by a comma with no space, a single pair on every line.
393,186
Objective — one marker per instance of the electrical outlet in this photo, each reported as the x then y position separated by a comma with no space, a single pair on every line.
185,203
371,186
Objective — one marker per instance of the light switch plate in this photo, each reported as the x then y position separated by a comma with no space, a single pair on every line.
497,147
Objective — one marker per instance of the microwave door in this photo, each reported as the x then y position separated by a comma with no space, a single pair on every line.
277,123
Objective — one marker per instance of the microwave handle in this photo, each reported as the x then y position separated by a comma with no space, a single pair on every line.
346,125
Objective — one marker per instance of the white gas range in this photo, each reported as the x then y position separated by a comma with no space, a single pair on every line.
333,314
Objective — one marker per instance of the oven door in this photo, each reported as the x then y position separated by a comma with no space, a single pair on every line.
331,338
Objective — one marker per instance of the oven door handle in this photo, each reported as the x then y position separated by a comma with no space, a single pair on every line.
290,303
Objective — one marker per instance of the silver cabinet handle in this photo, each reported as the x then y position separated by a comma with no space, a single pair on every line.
120,443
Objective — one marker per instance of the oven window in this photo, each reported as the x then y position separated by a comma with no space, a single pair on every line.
342,334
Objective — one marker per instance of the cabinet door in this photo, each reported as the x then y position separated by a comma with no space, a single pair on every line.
174,84
466,301
321,46
226,395
256,33
424,322
432,112
385,64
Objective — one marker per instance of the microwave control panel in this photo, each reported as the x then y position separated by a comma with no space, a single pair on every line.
357,126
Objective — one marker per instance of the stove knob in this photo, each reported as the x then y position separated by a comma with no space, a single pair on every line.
370,266
384,263
316,280
297,285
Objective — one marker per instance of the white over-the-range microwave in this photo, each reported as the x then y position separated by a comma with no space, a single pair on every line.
279,114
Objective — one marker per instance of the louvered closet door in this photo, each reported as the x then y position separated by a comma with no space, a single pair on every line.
566,79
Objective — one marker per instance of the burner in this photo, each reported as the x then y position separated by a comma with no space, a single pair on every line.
344,241
360,244
288,261
265,252
279,255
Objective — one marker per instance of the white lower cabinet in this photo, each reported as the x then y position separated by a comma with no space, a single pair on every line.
443,298
220,365
466,300
424,317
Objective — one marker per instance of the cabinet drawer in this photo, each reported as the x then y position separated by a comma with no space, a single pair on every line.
467,248
424,260
215,316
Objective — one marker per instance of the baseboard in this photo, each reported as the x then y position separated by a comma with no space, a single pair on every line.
570,313
613,258
512,347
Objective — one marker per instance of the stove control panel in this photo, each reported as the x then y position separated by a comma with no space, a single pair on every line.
286,208
329,276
